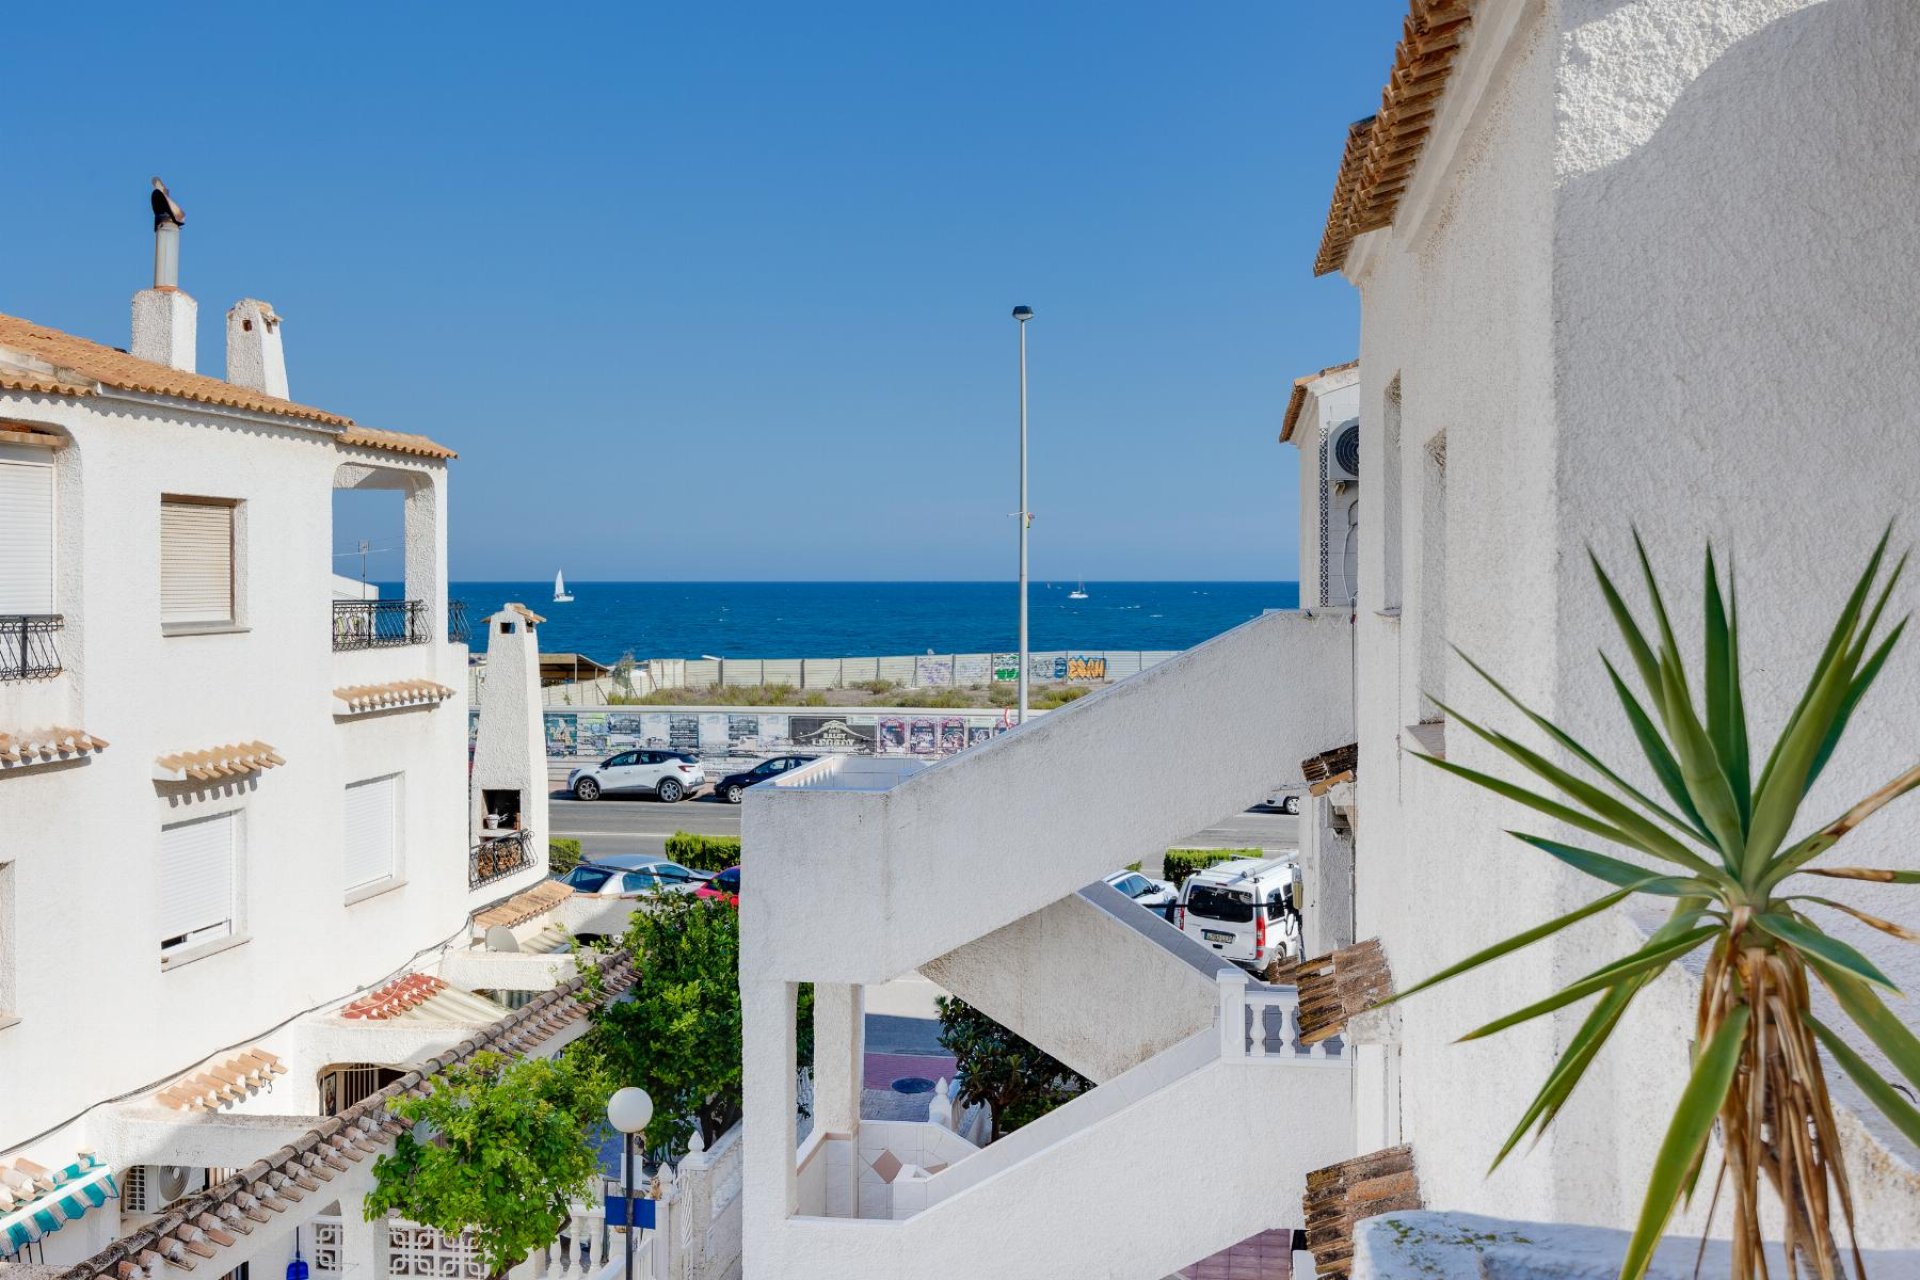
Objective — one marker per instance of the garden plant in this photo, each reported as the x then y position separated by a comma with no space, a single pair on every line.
1733,872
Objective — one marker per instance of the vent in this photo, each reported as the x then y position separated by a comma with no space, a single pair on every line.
150,1188
1345,451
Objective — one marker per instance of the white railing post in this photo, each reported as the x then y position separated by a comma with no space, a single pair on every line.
1233,1012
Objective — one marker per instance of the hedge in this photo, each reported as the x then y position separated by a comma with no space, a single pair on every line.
1181,863
703,853
562,855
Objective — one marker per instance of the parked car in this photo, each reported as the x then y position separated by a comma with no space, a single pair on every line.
733,787
724,885
669,775
1247,910
622,874
1157,896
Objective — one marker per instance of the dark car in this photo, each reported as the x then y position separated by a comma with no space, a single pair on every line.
734,786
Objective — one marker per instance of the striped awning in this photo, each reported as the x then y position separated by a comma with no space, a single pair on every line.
83,1185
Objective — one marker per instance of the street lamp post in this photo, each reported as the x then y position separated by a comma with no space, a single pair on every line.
629,1110
1023,314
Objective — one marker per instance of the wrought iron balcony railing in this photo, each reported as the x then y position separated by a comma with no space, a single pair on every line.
379,624
497,857
458,632
29,645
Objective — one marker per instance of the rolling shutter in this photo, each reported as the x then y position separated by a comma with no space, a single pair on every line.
373,814
26,537
197,881
196,562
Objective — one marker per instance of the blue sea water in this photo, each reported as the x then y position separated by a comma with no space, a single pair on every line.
859,619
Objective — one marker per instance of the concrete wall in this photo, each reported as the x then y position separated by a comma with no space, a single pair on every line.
977,841
82,837
1097,991
1640,278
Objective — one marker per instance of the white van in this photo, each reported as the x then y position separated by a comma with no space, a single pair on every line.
1247,910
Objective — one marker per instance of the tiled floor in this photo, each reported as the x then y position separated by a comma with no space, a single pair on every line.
882,1069
1267,1256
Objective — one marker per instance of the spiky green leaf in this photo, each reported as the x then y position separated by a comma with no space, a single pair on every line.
1855,692
1579,1055
1614,871
1726,711
1637,647
1810,940
1654,748
1687,1134
1884,1095
1862,1003
1656,955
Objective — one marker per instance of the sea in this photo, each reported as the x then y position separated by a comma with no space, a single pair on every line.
863,619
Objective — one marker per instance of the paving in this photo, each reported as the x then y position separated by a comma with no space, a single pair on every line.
1267,1256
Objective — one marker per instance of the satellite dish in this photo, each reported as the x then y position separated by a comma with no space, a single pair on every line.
500,938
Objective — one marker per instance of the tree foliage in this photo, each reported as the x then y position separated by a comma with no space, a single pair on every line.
677,1031
1020,1081
500,1149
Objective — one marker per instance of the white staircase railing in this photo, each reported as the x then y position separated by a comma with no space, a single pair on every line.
1262,1022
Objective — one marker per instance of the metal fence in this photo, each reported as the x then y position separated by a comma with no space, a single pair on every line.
29,645
379,624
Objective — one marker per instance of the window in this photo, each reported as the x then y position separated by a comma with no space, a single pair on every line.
638,882
372,833
26,531
196,562
199,883
587,879
1220,904
623,760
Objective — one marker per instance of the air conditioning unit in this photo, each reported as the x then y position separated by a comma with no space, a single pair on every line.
1343,454
150,1188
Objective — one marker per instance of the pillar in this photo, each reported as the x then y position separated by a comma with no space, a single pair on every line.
839,1056
769,1188
363,1244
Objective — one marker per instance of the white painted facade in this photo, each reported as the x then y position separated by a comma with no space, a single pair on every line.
343,860
1634,281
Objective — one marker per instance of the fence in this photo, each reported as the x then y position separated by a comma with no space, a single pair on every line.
748,733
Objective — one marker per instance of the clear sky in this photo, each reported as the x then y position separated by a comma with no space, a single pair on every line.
721,291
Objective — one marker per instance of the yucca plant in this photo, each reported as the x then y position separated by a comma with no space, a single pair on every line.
1724,861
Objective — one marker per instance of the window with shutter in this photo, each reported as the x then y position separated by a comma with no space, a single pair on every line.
372,832
196,561
26,532
198,895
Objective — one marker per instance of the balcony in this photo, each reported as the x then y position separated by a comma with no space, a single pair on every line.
498,856
379,624
29,647
458,632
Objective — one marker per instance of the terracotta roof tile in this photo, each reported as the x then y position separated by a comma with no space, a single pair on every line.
75,366
1383,150
45,746
223,1085
396,997
1342,1194
525,612
1340,985
229,761
527,905
357,699
1298,399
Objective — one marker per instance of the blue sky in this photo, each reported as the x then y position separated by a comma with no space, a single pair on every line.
722,291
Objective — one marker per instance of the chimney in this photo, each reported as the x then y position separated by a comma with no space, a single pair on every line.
255,358
165,319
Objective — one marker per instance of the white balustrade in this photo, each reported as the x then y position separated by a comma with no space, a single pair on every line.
1262,1022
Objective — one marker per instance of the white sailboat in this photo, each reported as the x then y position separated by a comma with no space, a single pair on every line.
1079,592
560,593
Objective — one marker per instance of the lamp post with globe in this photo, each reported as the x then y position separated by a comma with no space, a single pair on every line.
629,1111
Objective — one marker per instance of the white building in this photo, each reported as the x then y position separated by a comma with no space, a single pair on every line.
241,887
1620,264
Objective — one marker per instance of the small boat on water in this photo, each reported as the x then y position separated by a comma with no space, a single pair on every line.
1078,593
560,593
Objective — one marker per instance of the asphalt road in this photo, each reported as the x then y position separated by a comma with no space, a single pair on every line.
621,824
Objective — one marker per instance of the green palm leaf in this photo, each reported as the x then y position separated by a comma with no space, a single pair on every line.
1862,1003
1578,1056
1856,691
1686,1137
1654,747
1726,711
1656,955
1884,1095
1637,646
1614,871
1809,940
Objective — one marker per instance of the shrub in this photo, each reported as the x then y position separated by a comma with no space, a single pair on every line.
1020,1081
562,854
1181,863
703,853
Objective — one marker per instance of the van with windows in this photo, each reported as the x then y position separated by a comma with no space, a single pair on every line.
1246,910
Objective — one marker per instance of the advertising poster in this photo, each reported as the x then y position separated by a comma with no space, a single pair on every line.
683,733
953,735
560,733
831,733
978,733
774,731
893,735
655,728
923,739
591,728
743,735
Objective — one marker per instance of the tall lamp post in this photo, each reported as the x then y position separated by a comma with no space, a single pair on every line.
1023,314
629,1110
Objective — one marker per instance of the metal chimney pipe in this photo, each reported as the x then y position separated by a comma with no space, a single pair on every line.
168,218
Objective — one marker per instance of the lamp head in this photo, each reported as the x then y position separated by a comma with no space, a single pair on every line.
1023,314
630,1110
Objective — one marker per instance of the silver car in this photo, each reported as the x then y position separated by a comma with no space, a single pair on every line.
628,874
670,775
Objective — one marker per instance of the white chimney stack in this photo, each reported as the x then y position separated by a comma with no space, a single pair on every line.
165,320
255,358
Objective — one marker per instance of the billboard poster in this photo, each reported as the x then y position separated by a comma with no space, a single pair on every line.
683,733
832,733
978,733
953,735
743,735
893,734
656,728
1006,666
591,728
561,738
923,739
774,732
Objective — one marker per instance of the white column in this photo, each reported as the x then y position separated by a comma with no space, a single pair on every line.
839,1057
363,1244
1232,1018
769,1187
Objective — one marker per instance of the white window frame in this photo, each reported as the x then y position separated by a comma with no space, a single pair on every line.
207,941
21,456
397,868
234,621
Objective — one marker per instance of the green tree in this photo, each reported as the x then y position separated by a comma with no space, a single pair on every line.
1020,1081
505,1146
676,1033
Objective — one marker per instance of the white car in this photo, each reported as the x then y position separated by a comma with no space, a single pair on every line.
629,874
1157,896
1246,910
670,775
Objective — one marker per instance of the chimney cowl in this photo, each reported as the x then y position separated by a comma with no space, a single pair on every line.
255,357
